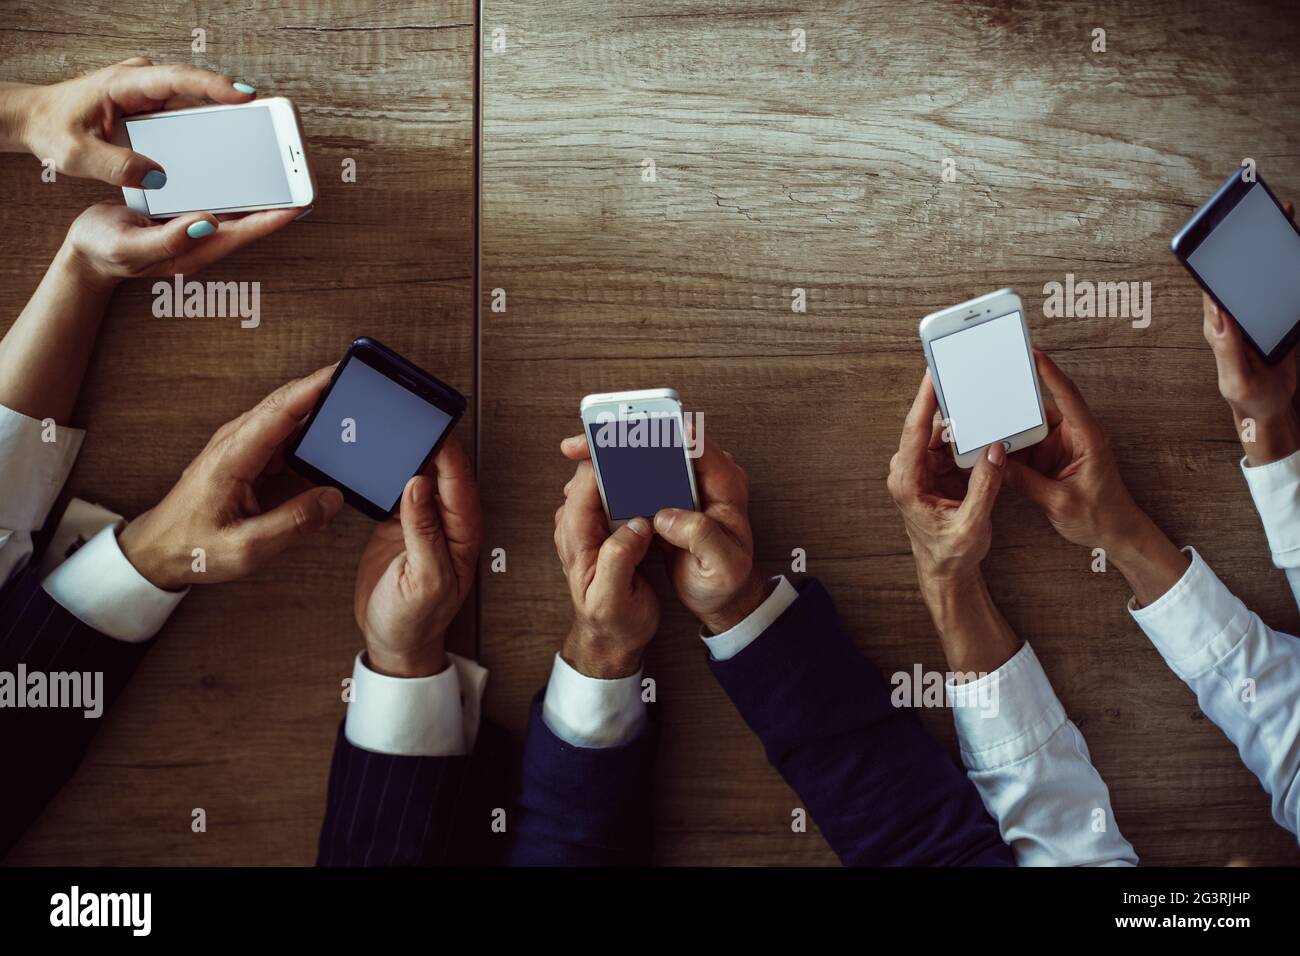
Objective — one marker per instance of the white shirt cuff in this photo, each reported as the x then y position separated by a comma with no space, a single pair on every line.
436,716
589,712
1276,490
1196,622
731,642
103,590
1006,715
32,470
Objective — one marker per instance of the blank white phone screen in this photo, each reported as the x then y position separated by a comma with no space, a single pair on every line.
224,159
987,382
1252,262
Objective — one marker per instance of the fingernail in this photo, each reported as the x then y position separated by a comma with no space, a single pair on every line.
154,179
571,441
243,87
1216,318
664,520
331,500
197,230
639,526
997,453
417,490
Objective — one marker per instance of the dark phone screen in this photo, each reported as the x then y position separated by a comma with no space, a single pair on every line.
372,434
640,478
1252,262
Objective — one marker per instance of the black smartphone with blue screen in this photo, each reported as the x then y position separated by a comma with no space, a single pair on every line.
376,426
1244,251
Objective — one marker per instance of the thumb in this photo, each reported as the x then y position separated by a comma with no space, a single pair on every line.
143,247
266,535
1030,482
95,159
694,532
985,482
618,557
421,530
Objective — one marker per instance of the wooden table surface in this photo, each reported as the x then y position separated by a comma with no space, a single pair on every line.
774,170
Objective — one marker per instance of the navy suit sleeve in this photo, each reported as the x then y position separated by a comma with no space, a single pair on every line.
882,790
581,806
387,810
41,747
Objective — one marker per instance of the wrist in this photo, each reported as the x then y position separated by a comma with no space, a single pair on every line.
151,558
16,100
592,656
81,266
424,661
1268,438
1148,560
739,606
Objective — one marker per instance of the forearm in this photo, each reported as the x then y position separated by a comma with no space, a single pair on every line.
44,355
975,636
14,108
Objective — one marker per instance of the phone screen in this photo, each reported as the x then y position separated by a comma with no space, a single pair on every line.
987,378
223,159
642,465
372,434
1252,262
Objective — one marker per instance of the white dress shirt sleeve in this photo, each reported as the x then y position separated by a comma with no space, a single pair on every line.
1032,769
1276,490
589,712
32,473
1246,676
728,644
101,588
436,716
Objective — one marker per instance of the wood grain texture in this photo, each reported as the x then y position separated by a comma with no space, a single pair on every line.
236,708
821,170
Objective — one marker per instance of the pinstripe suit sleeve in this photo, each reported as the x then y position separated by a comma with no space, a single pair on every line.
390,810
41,747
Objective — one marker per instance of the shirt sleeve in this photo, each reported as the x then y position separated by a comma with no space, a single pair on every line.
435,716
35,461
1033,771
103,590
724,646
1275,487
593,713
1245,675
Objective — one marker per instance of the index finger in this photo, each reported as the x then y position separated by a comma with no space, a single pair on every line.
582,528
918,426
1066,394
141,87
263,429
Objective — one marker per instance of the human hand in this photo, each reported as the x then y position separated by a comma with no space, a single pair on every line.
615,611
109,242
949,517
1255,391
711,551
72,122
214,505
418,569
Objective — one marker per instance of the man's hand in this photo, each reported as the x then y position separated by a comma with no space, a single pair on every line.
108,242
1253,389
711,553
72,122
214,505
615,611
1073,476
418,569
950,528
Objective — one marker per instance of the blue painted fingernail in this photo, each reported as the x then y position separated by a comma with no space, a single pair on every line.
197,230
154,179
243,87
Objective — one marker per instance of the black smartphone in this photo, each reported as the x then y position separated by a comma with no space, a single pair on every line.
375,427
1244,251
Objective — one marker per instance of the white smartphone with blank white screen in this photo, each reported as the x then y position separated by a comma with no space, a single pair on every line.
641,452
982,367
221,159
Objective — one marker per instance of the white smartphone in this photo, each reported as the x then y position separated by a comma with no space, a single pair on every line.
221,159
639,449
982,367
